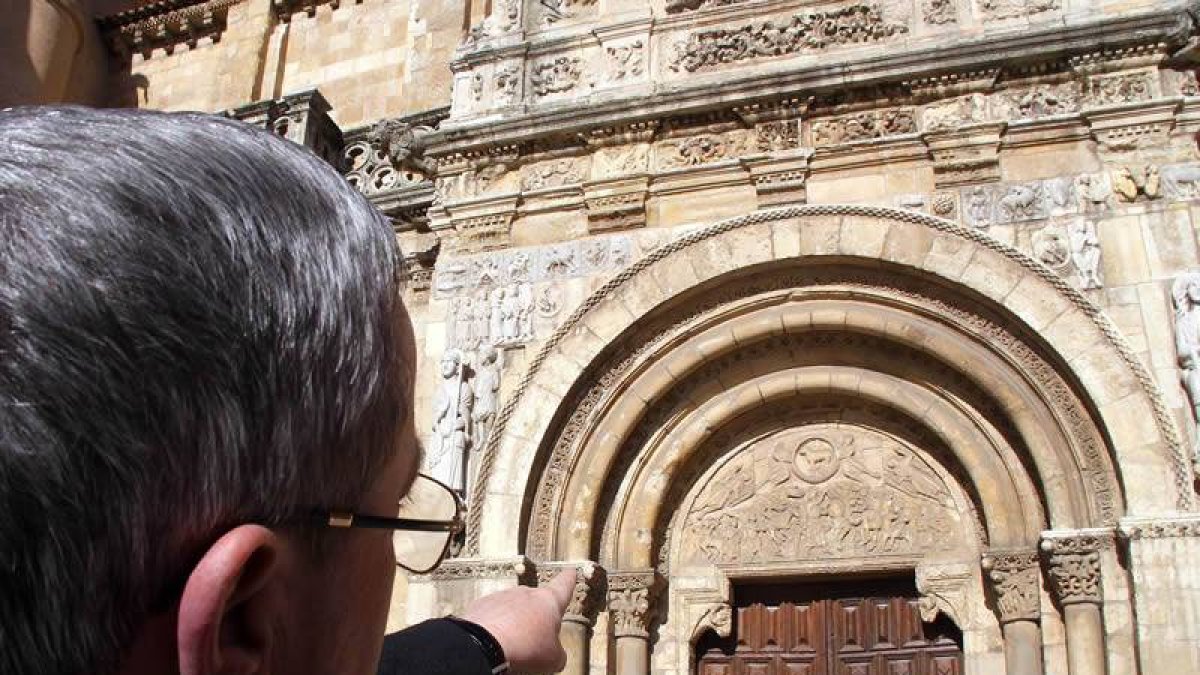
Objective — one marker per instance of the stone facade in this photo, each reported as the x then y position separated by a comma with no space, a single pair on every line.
712,292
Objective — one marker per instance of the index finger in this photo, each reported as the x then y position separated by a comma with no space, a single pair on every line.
562,587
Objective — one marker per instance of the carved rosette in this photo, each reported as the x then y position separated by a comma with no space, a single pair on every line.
631,600
586,596
1073,565
1013,576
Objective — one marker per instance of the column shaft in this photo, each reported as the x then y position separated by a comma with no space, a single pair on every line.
1085,639
1023,648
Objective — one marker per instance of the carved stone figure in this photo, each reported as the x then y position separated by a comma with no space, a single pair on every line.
1115,89
1182,182
451,440
556,76
864,126
625,60
979,207
1051,248
1085,253
1094,191
948,115
486,387
631,600
524,312
549,302
939,12
1186,294
403,144
1008,9
1130,184
507,85
1014,580
1021,202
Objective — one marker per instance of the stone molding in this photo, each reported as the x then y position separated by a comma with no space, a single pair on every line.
1179,466
588,594
284,9
1015,583
519,569
301,117
1165,527
632,602
1073,563
165,25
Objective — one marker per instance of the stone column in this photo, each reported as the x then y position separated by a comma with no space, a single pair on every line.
631,597
1073,566
1014,580
576,633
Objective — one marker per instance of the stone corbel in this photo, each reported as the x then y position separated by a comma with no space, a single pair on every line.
1131,127
480,225
1073,563
717,617
632,600
947,588
616,204
781,178
587,596
953,84
967,155
1015,583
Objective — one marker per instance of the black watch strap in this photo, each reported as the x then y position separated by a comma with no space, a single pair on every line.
487,643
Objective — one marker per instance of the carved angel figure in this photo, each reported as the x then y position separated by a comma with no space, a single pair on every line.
1085,253
451,440
1186,294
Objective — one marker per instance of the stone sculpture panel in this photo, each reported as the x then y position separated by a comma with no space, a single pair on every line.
827,491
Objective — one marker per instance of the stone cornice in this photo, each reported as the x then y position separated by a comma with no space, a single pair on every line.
1169,28
165,25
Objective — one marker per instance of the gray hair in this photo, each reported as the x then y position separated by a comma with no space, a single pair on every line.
200,327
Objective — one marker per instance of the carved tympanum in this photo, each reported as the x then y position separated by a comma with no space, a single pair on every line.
824,491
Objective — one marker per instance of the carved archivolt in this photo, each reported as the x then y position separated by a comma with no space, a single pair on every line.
1113,343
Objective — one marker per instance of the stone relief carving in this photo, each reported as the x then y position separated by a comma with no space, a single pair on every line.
1041,100
832,491
1085,253
1094,191
1051,247
631,600
554,173
451,440
863,126
504,18
557,75
1182,182
1186,295
620,160
939,12
944,205
477,86
979,206
507,85
858,23
695,150
777,136
486,387
1073,567
954,113
1120,88
1018,202
1014,580
718,618
403,144
1161,528
549,302
371,171
625,60
1022,202
677,6
471,274
946,589
1131,183
555,11
518,569
1009,9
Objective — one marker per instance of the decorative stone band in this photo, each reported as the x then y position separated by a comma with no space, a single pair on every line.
1170,527
519,569
1013,577
1073,563
590,581
631,602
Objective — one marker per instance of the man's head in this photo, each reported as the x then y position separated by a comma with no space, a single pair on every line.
201,344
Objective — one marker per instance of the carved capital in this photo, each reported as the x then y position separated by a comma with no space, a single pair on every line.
1073,563
631,600
1013,577
586,596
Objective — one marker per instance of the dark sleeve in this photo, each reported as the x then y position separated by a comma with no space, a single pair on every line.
434,647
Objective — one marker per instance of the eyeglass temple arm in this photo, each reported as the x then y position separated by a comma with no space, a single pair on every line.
381,523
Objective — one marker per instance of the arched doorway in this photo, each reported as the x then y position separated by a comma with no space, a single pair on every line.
945,376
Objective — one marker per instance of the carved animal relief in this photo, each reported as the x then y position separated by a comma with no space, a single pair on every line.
863,126
829,492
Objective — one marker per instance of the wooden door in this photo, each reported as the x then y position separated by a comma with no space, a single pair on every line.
848,634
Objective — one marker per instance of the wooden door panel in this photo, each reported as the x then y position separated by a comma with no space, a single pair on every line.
878,635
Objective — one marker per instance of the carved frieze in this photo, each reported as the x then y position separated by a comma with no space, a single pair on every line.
1119,88
507,85
1015,582
863,126
558,11
166,25
1161,528
939,12
1181,181
854,24
954,113
556,75
1039,100
1010,9
550,263
696,150
986,205
632,597
825,491
777,136
620,160
520,570
1136,183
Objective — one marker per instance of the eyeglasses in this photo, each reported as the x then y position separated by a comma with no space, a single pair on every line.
424,526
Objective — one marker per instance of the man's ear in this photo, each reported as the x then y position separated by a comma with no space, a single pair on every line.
230,605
